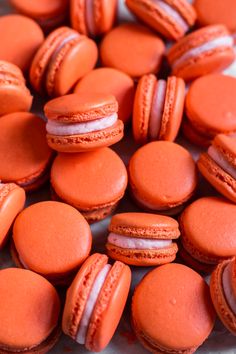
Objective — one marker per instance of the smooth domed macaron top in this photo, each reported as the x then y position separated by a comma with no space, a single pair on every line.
209,224
82,107
211,103
24,151
29,309
143,224
172,307
90,179
51,238
41,9
162,173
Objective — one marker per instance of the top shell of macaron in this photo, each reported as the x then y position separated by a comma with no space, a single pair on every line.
227,145
81,108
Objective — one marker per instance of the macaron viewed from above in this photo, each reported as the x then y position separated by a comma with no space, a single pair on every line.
12,201
206,50
63,58
24,153
93,182
223,293
171,18
93,17
210,108
20,39
48,13
95,302
158,108
162,177
142,239
172,310
14,95
84,122
29,311
52,239
133,49
113,82
208,233
218,165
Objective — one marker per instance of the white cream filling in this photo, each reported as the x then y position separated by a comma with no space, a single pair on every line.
221,161
225,41
59,128
227,287
91,302
170,11
137,243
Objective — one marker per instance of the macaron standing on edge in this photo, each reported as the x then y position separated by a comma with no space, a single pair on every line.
95,302
142,239
84,122
158,108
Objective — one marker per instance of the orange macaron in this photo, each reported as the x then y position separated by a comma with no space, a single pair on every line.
84,122
93,17
113,82
210,108
201,52
95,302
223,293
52,239
133,49
14,95
12,201
162,177
172,310
218,165
142,239
171,18
24,153
215,219
158,108
20,39
63,58
93,182
29,311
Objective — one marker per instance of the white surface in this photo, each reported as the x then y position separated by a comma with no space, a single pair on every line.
123,341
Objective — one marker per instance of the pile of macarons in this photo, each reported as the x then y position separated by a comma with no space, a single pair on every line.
117,175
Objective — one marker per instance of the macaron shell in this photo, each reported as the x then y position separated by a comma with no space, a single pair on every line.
12,201
226,144
107,9
218,178
218,297
194,136
14,98
142,107
142,258
109,307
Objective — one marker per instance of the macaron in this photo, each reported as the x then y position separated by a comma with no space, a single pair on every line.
208,233
95,302
24,153
142,239
172,310
223,293
93,17
12,201
162,177
49,14
113,82
202,52
210,108
29,311
63,58
52,239
14,95
171,18
20,39
93,182
218,165
84,122
133,49
158,108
